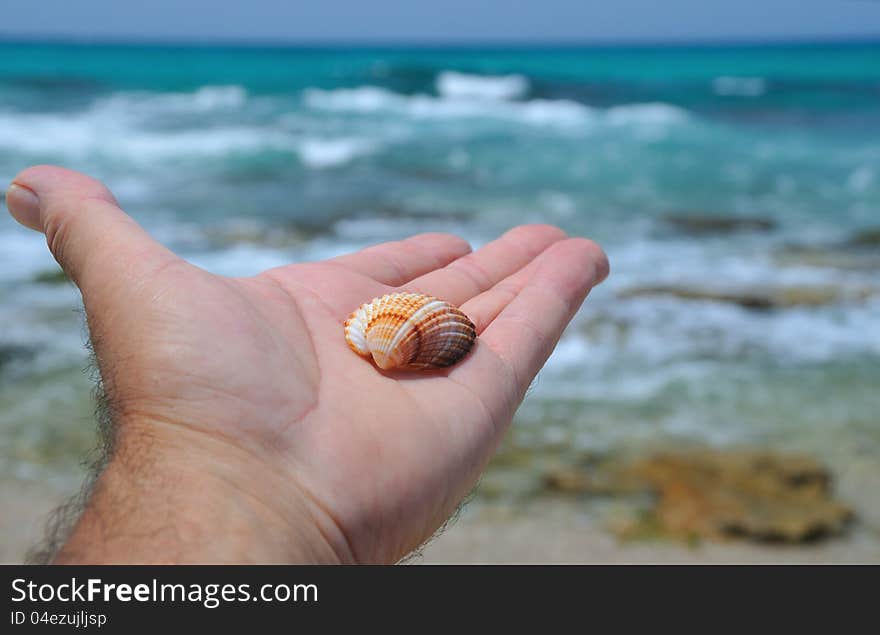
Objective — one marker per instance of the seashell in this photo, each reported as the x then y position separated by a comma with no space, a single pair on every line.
410,330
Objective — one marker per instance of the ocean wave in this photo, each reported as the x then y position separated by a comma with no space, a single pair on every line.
728,86
93,133
662,330
371,229
637,350
124,125
121,125
203,100
24,250
650,114
455,85
90,134
376,100
371,100
328,153
860,180
240,260
654,331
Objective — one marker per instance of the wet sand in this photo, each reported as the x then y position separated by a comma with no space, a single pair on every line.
556,532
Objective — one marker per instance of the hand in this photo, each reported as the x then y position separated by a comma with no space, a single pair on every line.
246,430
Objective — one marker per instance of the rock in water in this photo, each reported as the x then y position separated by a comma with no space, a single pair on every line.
706,224
11,353
866,238
846,257
747,494
763,299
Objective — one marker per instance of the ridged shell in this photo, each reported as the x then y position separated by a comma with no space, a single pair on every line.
410,330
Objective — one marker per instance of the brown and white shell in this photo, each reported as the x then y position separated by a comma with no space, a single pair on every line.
410,330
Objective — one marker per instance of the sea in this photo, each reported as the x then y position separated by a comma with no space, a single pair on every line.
736,190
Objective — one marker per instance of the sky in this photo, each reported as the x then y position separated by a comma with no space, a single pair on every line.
584,21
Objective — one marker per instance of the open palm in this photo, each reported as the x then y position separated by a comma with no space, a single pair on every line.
255,373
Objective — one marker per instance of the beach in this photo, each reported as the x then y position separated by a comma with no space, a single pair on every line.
548,530
557,535
736,191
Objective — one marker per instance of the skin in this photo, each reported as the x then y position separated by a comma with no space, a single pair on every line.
246,430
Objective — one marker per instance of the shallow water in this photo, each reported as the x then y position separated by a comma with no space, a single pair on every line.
243,159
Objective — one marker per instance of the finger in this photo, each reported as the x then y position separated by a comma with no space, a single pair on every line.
396,263
528,328
93,240
469,276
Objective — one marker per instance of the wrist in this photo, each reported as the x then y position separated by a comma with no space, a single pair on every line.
173,495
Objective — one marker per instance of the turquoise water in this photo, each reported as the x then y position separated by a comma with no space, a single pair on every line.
242,159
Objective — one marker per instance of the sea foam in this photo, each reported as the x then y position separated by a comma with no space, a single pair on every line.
650,114
110,130
328,153
202,100
454,85
91,133
373,100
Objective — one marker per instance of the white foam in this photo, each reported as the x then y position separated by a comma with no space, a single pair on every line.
215,97
650,114
362,231
553,112
240,260
203,100
328,153
90,133
455,85
710,264
860,180
640,348
93,133
121,127
729,86
636,348
365,99
24,250
371,99
218,142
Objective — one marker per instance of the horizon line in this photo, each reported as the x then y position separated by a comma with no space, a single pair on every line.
390,43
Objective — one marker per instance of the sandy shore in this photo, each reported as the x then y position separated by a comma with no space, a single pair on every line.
556,532
544,531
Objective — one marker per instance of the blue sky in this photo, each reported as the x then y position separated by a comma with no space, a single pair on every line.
442,20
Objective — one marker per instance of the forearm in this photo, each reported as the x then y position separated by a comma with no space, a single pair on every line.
159,502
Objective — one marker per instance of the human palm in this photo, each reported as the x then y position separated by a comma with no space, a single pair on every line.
252,378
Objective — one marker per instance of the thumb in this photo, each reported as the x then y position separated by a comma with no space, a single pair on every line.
94,241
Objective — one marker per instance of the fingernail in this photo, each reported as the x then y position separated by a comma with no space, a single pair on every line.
24,205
